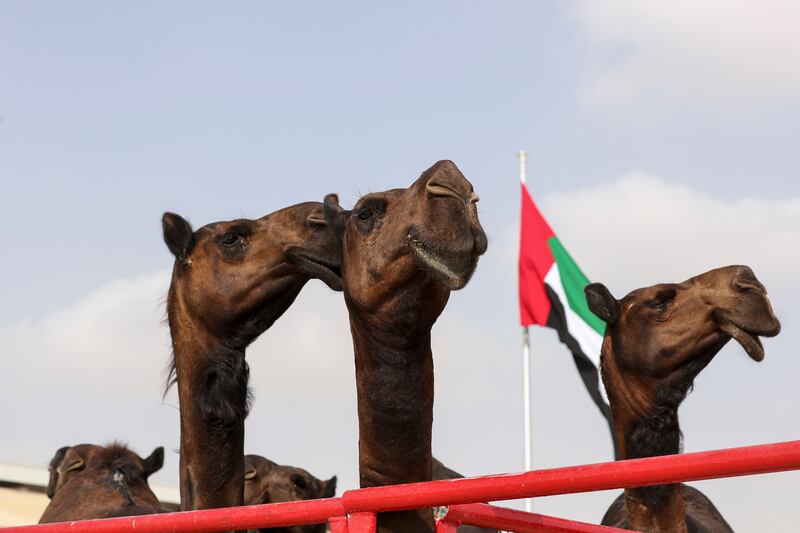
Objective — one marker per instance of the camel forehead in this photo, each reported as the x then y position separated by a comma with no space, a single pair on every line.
296,470
285,472
261,464
84,449
296,211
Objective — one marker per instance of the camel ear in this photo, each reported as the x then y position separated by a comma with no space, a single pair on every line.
55,463
178,235
154,462
335,216
250,470
602,303
329,488
71,461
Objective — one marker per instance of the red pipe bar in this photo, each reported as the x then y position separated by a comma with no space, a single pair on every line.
338,524
731,462
362,523
748,460
481,514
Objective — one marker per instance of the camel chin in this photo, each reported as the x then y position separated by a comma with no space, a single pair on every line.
453,269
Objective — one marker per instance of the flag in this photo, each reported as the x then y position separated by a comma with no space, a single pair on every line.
551,294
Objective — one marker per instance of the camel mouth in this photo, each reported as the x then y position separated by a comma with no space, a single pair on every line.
453,268
748,336
328,271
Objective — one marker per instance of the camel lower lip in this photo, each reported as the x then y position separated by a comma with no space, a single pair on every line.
750,342
328,272
454,269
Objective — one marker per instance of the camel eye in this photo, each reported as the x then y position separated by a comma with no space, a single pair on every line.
299,481
229,239
365,214
662,299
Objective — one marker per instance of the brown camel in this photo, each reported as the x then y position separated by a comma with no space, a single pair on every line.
89,481
230,282
267,482
403,251
657,341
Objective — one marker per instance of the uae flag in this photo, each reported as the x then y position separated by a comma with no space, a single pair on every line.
551,294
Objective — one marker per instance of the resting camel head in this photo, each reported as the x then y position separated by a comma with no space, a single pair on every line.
71,461
666,334
267,482
395,239
247,272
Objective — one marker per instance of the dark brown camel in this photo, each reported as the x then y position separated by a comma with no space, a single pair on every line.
657,341
230,282
89,481
267,482
403,251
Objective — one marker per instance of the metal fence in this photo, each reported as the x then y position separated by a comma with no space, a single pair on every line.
456,501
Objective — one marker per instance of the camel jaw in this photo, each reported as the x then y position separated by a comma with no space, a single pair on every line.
454,269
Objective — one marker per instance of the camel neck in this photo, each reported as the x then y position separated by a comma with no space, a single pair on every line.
659,508
212,381
394,385
395,416
395,407
646,425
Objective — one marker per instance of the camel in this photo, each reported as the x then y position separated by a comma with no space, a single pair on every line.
403,251
89,481
230,282
268,482
657,340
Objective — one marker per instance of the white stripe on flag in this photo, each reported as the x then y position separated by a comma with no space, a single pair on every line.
589,340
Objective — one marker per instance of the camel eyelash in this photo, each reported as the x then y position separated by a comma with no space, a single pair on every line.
375,205
661,299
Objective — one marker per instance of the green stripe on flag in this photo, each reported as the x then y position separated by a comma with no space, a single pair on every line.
574,282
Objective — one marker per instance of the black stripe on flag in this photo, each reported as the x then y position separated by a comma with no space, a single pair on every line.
588,372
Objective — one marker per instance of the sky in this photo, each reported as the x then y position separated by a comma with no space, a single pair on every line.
661,139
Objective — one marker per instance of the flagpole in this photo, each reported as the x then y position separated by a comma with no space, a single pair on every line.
526,365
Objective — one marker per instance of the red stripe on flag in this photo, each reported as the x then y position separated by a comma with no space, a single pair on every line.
535,261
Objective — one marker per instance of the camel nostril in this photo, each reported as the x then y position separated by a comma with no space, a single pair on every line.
749,287
435,188
317,220
745,281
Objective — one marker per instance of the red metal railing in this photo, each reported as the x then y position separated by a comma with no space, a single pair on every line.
355,511
481,514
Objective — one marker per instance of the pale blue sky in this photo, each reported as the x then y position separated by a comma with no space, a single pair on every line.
111,114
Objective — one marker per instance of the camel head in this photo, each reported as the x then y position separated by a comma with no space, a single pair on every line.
666,334
267,482
394,238
90,459
247,272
